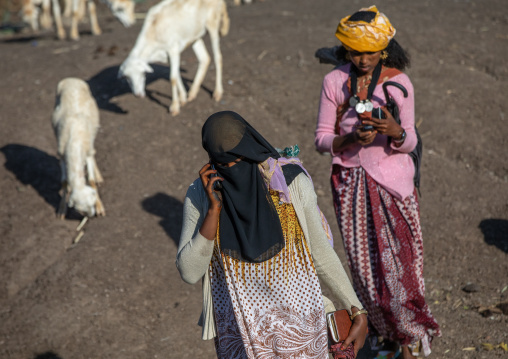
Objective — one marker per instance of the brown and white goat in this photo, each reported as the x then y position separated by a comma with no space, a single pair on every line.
123,10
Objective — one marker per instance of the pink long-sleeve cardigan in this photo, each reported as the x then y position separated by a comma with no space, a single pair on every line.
388,165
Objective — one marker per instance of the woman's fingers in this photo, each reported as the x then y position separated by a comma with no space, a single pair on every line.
357,335
387,113
204,173
204,168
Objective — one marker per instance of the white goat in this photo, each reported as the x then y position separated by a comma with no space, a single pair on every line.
76,122
123,10
169,28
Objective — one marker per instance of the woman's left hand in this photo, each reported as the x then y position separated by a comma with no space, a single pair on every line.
357,333
385,126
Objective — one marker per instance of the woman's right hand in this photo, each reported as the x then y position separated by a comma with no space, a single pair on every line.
209,227
214,197
364,138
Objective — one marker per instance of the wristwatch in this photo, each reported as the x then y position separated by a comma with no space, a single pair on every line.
401,139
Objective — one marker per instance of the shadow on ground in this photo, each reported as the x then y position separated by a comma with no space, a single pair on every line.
48,355
495,232
170,210
105,86
35,168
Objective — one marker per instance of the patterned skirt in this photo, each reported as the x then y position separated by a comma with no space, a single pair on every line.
384,248
272,309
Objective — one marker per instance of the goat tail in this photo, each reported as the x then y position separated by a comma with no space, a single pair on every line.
224,28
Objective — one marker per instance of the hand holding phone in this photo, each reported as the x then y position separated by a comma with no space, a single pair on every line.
217,185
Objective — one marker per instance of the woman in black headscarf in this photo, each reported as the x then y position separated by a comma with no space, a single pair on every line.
260,247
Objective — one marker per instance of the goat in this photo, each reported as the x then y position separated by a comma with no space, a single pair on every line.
123,10
30,10
169,28
75,122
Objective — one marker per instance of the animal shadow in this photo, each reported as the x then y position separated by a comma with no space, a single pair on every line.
495,232
170,210
35,168
48,355
106,85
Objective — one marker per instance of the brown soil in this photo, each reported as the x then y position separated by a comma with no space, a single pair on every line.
117,292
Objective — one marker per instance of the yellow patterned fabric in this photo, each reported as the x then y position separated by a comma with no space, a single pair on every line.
366,37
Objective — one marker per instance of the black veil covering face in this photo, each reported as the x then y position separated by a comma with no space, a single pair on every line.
249,226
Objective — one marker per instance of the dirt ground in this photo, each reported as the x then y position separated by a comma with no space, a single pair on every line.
117,292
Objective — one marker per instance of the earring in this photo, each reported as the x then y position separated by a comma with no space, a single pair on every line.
384,55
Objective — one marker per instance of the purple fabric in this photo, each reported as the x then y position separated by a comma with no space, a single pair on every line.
276,176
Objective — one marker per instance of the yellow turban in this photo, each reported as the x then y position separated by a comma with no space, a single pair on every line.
364,36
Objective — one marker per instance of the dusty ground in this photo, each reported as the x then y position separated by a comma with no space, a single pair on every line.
117,293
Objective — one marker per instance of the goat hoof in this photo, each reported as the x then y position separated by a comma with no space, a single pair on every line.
192,96
217,96
174,109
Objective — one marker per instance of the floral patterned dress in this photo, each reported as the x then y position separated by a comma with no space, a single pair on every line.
272,309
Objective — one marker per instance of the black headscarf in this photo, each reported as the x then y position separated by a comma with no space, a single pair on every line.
249,226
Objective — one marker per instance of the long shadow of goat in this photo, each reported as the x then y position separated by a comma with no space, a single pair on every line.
35,168
105,86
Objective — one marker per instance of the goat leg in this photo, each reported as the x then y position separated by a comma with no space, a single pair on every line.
62,208
203,63
217,57
97,173
176,82
58,20
96,30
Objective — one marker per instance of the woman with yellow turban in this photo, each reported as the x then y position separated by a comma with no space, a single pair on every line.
372,180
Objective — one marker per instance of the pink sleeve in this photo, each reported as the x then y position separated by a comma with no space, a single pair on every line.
407,112
327,114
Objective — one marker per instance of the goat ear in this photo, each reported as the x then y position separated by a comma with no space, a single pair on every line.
148,68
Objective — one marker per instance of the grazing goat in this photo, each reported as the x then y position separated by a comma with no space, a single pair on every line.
123,10
30,10
169,28
76,122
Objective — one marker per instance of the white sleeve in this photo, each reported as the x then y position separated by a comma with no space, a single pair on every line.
328,266
194,251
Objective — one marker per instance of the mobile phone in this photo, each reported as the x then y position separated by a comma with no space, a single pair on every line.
378,113
367,128
217,185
